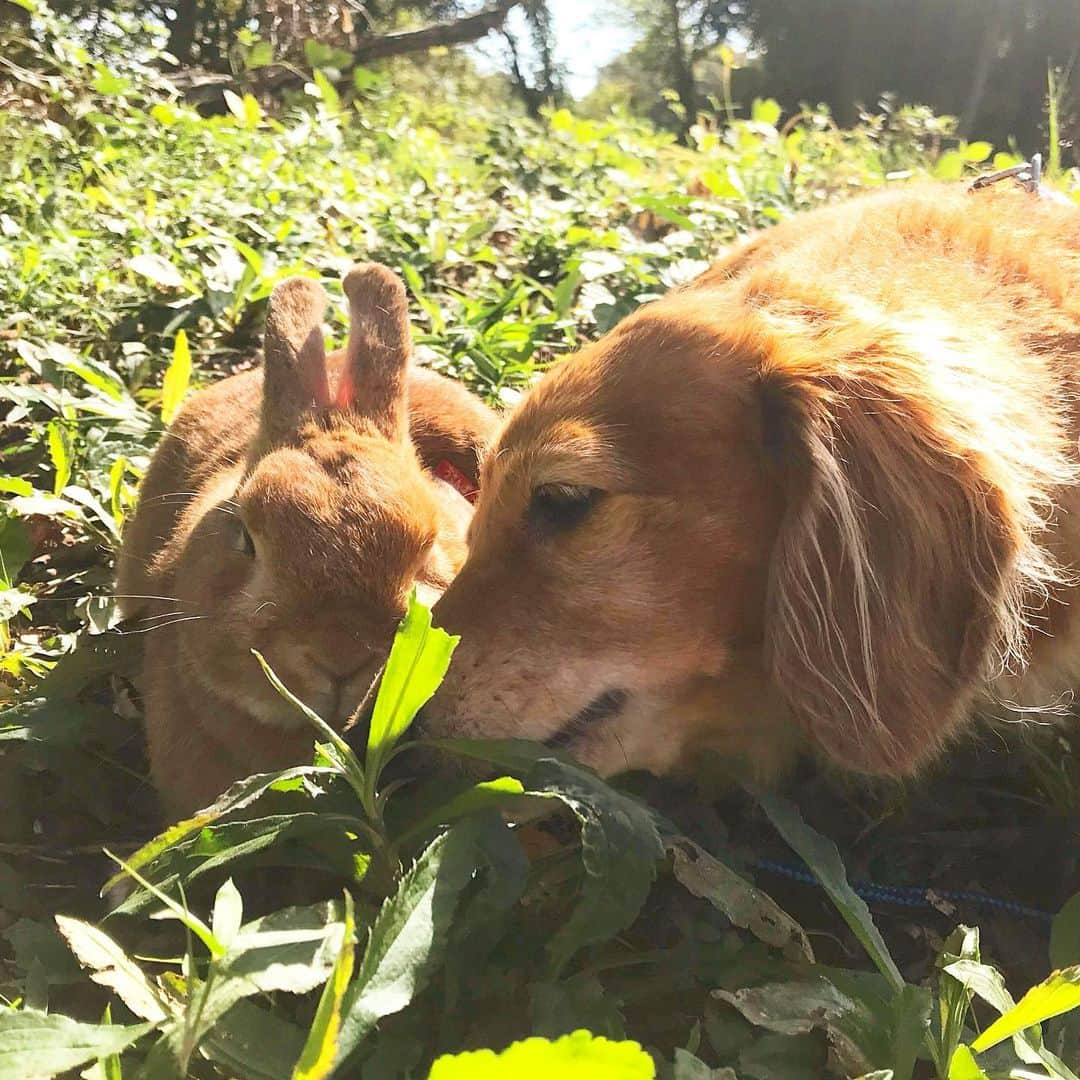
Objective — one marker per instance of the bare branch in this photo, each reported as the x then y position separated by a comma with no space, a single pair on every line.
458,32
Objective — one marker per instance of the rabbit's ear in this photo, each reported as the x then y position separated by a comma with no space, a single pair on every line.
294,368
373,378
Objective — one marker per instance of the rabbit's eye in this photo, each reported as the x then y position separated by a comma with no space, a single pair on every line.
242,541
556,508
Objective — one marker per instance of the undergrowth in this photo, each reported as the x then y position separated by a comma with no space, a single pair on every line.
319,919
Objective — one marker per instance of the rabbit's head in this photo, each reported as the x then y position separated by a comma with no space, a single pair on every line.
308,550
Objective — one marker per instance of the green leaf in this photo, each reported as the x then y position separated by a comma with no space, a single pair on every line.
15,549
567,1005
241,795
260,55
110,966
292,950
409,935
109,84
988,983
107,1068
246,109
173,910
14,602
320,1052
562,120
964,1067
667,207
157,269
977,151
116,481
177,379
909,1030
327,93
688,1066
228,913
725,185
1065,935
60,452
364,79
821,856
418,661
416,287
954,997
505,791
253,1043
1058,994
235,104
765,111
620,850
34,1044
950,166
580,1056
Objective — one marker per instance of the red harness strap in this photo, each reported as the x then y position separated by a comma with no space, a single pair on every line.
448,471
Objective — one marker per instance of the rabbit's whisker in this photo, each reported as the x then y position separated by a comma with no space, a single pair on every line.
162,625
139,596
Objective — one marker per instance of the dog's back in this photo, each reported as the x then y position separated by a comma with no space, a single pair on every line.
987,286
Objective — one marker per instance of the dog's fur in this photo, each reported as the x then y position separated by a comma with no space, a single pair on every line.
325,462
826,494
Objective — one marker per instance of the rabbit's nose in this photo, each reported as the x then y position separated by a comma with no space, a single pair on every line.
339,670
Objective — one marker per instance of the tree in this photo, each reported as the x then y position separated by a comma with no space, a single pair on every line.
539,80
204,33
985,61
678,39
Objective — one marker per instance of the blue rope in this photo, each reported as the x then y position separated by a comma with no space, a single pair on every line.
904,895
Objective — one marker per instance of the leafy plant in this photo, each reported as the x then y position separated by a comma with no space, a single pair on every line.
326,920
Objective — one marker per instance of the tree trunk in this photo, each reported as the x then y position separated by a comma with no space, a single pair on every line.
528,94
682,72
984,62
182,31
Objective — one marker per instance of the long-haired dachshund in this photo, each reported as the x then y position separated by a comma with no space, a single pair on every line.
826,494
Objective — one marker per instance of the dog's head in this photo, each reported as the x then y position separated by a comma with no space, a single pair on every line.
737,484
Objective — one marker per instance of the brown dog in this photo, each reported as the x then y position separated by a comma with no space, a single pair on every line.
291,510
826,492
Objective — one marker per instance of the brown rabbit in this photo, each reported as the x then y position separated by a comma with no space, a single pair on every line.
291,510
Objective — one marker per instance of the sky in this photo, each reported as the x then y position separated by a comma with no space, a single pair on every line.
587,36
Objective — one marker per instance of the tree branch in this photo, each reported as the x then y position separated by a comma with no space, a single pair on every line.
458,32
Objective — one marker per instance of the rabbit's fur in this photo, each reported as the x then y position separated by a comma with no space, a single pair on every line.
291,510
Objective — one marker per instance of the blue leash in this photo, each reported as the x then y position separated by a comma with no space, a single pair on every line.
904,895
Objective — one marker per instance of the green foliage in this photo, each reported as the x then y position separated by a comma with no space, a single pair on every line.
139,241
579,1056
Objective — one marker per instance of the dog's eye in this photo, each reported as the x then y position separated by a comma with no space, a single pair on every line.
242,540
558,507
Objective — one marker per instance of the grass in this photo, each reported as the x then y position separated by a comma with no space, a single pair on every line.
138,244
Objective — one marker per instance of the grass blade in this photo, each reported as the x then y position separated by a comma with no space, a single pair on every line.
822,857
177,378
321,1049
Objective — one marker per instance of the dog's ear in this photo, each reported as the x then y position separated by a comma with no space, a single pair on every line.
906,552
